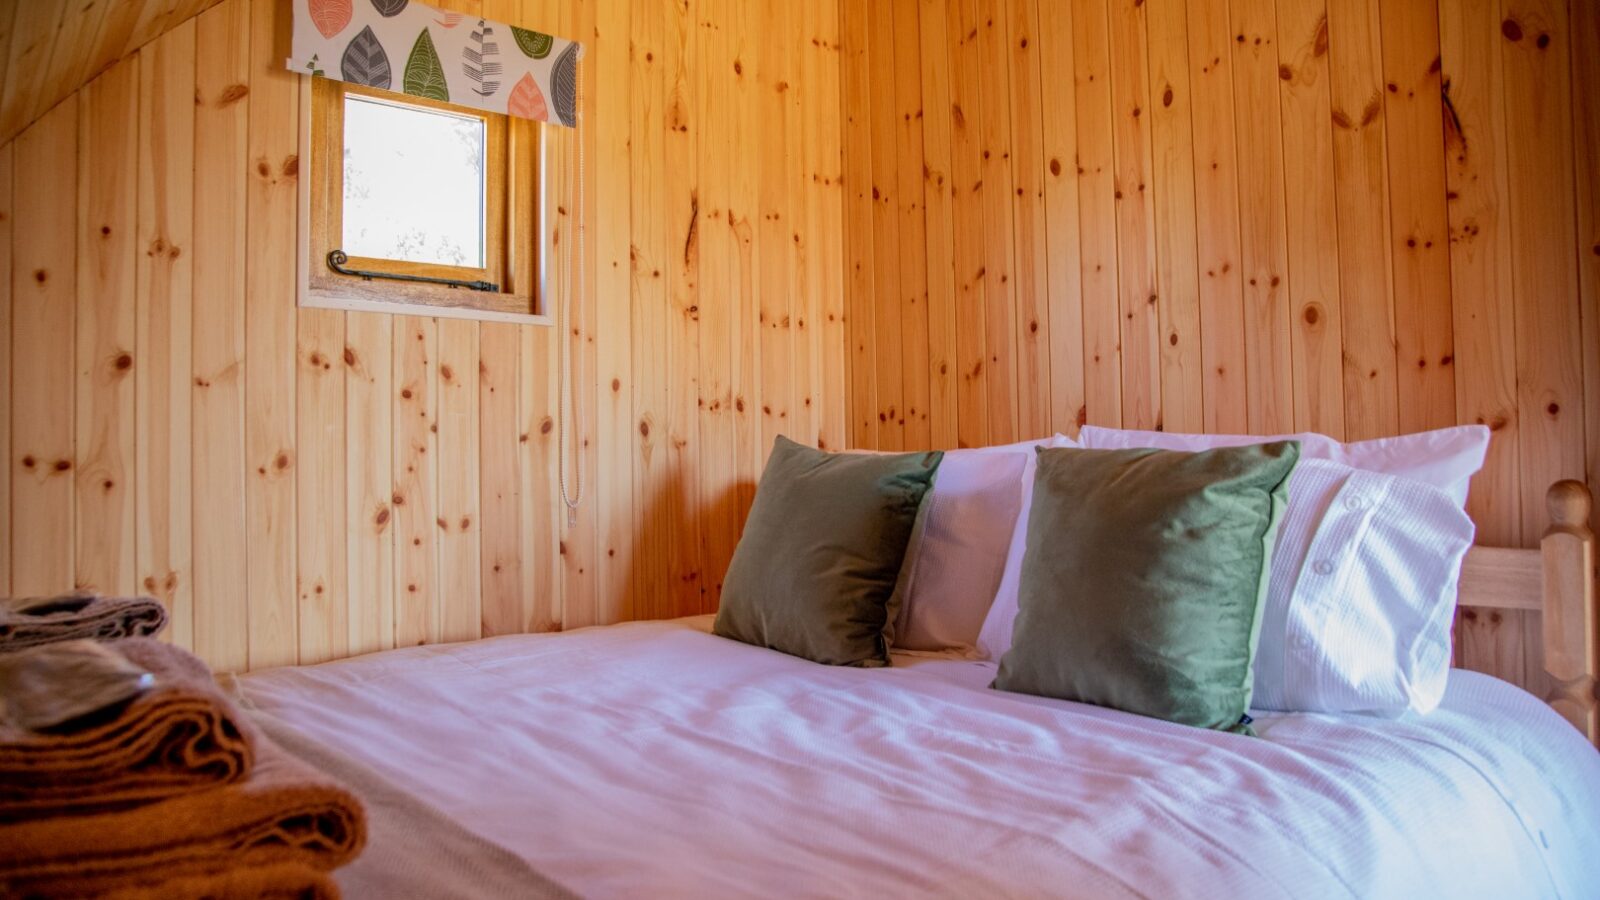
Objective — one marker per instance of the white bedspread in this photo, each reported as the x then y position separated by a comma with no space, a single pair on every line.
657,760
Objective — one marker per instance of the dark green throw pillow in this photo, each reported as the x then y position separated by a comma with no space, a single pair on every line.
1144,578
817,569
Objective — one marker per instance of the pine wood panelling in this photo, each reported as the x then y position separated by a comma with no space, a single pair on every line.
49,50
685,222
1028,211
164,327
300,485
937,192
1311,218
43,322
271,192
460,576
1269,379
221,133
966,158
908,192
1359,217
1097,217
1000,308
1483,304
1172,170
1065,278
891,312
416,480
1216,198
1361,184
1135,206
107,208
1419,232
7,217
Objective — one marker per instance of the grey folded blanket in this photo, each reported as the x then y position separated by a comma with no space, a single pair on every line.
30,621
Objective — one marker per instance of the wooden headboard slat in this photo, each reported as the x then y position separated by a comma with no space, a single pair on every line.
1502,578
1571,654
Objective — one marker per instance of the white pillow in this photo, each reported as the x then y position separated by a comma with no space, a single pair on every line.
1446,458
1362,594
994,638
954,569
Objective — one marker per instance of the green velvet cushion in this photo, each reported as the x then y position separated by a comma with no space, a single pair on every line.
816,572
1144,576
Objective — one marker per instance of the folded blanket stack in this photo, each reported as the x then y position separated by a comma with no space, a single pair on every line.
168,791
34,621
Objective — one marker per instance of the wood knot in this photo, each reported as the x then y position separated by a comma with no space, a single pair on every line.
1511,29
123,362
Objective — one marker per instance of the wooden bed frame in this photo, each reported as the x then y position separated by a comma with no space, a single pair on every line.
1558,580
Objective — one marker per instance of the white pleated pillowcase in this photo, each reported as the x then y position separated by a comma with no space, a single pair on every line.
1362,592
967,528
994,638
1446,458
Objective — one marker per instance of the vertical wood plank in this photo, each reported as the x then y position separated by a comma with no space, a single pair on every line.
999,263
1311,220
887,302
1064,268
1361,192
500,488
1269,377
1424,344
823,75
1482,301
416,480
658,508
1176,229
164,336
685,223
43,277
1535,48
1033,323
33,35
1216,200
7,217
856,112
320,490
1586,126
108,160
1135,209
909,207
1097,217
271,197
460,535
776,230
938,191
967,199
221,154
719,513
369,480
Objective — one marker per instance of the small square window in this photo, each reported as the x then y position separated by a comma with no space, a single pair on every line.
414,183
420,207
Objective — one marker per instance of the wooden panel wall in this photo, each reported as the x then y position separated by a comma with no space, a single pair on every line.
1360,217
302,484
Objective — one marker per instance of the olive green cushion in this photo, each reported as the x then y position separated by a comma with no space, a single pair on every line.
1144,576
817,570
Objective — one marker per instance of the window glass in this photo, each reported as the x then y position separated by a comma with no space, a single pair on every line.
413,183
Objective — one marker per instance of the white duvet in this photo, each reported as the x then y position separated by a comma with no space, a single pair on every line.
656,760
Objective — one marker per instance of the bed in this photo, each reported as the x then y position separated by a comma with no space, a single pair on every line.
655,759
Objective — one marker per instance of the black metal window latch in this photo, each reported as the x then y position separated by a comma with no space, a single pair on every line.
338,258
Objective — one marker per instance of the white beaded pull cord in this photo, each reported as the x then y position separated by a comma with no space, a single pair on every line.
571,414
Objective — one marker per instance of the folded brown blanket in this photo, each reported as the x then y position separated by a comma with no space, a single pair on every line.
284,813
180,735
30,621
286,881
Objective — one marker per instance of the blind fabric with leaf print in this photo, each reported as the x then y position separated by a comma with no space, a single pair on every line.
410,48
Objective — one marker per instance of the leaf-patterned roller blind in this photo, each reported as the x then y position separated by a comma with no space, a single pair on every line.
410,48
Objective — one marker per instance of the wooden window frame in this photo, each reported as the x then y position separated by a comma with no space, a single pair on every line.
514,212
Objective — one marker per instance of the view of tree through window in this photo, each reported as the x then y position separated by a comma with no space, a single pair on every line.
413,184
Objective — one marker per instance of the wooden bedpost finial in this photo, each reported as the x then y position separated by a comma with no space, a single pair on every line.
1570,503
